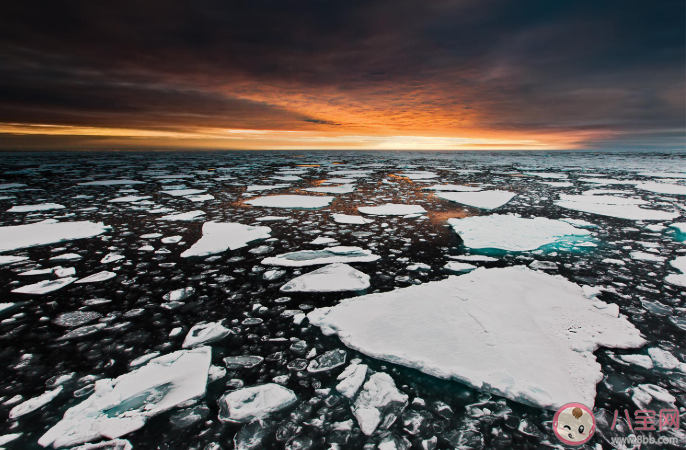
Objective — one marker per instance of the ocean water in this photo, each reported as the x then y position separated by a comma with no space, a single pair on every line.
231,287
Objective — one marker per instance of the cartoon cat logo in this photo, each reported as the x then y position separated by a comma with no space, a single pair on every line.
574,424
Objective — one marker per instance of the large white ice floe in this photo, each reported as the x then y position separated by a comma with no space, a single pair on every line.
332,278
512,233
47,232
45,287
663,188
679,263
612,206
339,254
515,332
292,201
379,404
483,199
350,219
248,404
392,209
33,208
122,405
218,237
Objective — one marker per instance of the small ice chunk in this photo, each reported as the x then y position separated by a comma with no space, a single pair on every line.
45,287
336,277
182,192
114,444
453,187
265,187
379,404
9,259
172,240
483,199
643,394
179,295
32,208
329,255
219,237
76,318
204,333
242,361
122,405
112,257
292,201
663,359
392,209
343,189
97,277
111,183
351,379
638,360
327,361
254,403
620,207
321,240
453,266
679,263
191,215
34,403
129,199
66,257
475,258
272,218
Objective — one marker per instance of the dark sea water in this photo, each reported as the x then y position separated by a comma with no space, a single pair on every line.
230,286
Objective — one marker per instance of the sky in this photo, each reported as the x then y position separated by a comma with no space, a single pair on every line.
357,74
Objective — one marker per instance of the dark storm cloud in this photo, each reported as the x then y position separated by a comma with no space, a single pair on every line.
518,65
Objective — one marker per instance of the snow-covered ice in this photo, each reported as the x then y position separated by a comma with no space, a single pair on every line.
663,188
525,335
292,201
350,219
218,237
392,209
34,403
508,232
483,199
453,187
205,333
124,404
47,232
33,208
379,404
678,279
331,278
339,254
97,277
191,215
254,403
612,206
45,287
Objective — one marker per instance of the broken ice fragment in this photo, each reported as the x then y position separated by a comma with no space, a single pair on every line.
97,277
122,405
458,267
45,287
332,278
351,379
679,263
242,362
248,404
34,403
76,318
32,208
327,361
392,209
219,237
204,333
179,295
379,404
350,219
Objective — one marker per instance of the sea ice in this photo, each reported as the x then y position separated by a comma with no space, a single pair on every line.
663,188
111,183
183,192
122,405
9,259
34,403
379,404
391,209
328,255
204,333
292,201
350,219
191,215
454,266
129,199
332,278
522,334
351,379
45,287
265,187
619,207
254,403
483,199
679,263
453,187
218,237
343,189
32,208
47,232
97,277
327,361
507,232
